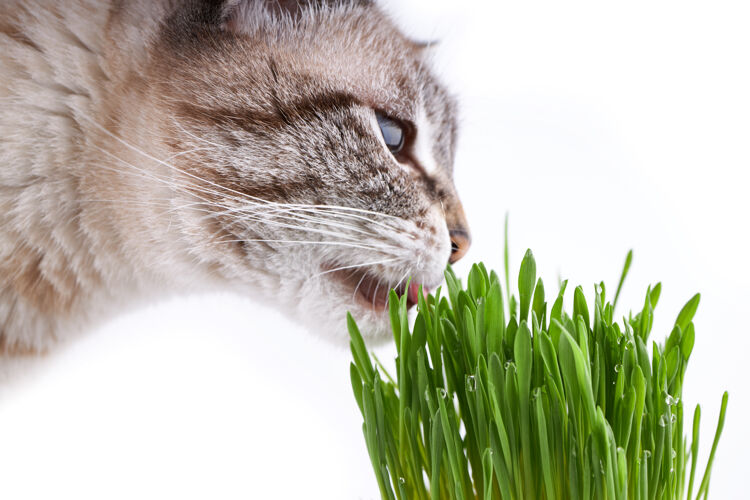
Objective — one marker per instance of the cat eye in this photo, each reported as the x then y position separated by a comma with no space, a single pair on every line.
393,133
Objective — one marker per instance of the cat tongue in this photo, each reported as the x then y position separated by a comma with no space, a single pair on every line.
413,292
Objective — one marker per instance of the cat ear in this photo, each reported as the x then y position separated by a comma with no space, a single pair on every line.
238,15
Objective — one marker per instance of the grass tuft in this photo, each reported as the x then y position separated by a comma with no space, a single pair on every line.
499,398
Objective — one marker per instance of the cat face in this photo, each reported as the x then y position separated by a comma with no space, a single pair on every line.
315,149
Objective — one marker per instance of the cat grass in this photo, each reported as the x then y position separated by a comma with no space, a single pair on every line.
504,398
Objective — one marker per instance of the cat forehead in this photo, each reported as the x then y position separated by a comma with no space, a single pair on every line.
352,54
354,48
350,46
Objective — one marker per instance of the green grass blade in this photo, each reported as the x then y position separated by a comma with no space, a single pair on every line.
544,451
623,275
522,351
487,473
506,262
526,281
719,428
356,386
694,449
437,456
688,311
359,351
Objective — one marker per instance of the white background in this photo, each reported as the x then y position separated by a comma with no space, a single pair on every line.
600,128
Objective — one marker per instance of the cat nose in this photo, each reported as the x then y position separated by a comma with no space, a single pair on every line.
460,243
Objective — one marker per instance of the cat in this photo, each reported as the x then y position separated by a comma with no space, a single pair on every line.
300,152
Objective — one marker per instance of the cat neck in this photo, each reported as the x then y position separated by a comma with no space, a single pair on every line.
84,222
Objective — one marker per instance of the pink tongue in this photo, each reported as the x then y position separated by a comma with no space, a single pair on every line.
413,292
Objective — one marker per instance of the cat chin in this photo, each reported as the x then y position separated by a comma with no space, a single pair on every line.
323,313
321,304
322,307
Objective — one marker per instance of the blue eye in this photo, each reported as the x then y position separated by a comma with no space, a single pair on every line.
393,133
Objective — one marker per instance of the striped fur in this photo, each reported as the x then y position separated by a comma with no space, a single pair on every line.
151,147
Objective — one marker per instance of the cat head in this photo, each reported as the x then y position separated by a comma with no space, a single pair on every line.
314,150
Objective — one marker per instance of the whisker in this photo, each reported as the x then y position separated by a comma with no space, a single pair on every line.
317,210
405,276
153,158
336,207
302,242
189,188
356,288
183,153
385,261
374,295
244,209
336,221
294,217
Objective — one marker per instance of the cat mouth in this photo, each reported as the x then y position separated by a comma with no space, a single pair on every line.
372,291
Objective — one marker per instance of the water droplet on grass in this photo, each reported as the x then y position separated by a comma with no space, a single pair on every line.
646,453
402,480
618,368
471,383
663,421
674,454
443,393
